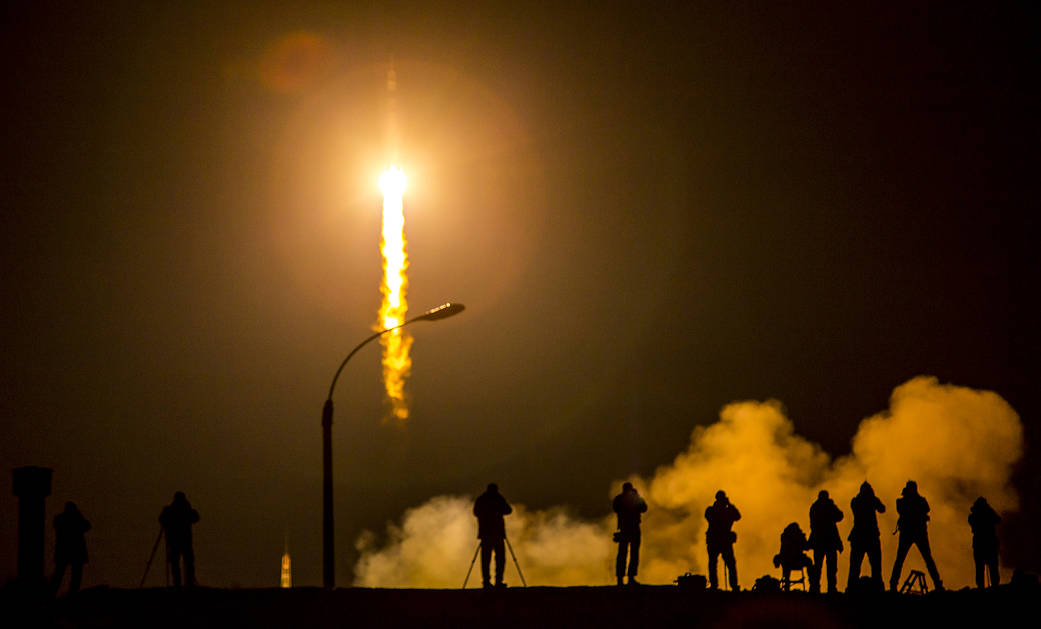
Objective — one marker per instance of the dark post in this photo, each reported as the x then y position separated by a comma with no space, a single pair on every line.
328,554
32,485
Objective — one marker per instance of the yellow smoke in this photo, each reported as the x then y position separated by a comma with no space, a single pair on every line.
434,543
393,307
957,443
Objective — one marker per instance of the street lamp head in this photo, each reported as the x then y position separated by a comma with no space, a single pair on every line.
441,312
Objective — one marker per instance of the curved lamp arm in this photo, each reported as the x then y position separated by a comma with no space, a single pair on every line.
441,312
328,535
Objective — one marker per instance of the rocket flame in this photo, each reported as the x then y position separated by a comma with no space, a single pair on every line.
396,344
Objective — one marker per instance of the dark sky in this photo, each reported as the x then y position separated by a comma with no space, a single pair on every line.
648,213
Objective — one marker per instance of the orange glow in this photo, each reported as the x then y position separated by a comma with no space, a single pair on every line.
286,577
396,344
295,62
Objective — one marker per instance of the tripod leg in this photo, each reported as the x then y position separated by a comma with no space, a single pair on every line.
472,561
510,546
148,565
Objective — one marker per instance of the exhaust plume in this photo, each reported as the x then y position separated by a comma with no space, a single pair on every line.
957,443
396,345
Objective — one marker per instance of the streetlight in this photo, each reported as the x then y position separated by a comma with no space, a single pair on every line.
328,566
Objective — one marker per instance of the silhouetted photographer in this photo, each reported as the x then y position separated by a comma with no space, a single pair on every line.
490,507
720,539
628,505
912,524
864,538
177,519
793,554
70,547
984,521
824,540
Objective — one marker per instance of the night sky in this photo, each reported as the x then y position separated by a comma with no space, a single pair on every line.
648,213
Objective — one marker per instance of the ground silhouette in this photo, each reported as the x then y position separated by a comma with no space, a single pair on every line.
643,606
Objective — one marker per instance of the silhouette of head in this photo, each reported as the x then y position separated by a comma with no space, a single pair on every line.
627,487
180,497
867,489
492,487
70,506
794,526
822,494
911,488
721,496
980,502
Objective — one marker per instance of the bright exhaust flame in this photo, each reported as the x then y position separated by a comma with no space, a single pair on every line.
396,344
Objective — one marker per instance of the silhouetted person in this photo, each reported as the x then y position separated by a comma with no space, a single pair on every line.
824,540
721,516
490,507
177,519
793,553
70,547
914,514
864,538
984,520
628,505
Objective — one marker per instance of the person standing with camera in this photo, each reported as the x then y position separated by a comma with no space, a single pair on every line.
628,505
825,541
984,521
864,537
720,539
177,519
70,547
490,507
914,514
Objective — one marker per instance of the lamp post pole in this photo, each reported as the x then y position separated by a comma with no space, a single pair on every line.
328,537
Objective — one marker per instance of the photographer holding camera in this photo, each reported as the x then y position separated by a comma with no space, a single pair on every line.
628,505
490,507
914,513
720,539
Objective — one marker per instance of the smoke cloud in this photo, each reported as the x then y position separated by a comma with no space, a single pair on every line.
957,443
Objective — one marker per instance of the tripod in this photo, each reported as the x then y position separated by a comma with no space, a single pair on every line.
512,554
151,556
